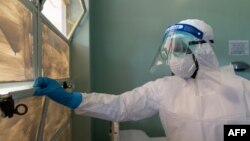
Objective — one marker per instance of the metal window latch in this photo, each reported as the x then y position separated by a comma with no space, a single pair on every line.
8,109
66,85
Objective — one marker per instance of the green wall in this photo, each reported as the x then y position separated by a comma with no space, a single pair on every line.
125,35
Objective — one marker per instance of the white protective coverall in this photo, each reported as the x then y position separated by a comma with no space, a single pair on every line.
190,109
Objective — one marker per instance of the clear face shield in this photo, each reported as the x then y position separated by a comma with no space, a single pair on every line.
178,49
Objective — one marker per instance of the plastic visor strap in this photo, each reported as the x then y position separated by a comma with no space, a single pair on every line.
184,28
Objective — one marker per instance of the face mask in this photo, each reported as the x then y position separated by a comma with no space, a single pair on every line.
183,67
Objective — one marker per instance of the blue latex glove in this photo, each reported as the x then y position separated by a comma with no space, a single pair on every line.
51,88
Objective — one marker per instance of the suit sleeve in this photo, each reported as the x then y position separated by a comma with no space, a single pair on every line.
136,104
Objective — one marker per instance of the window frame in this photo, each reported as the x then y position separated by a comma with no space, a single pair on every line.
24,89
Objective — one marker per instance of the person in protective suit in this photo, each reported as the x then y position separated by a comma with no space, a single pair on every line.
194,104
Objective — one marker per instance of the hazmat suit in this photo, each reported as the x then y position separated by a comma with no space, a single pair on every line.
194,104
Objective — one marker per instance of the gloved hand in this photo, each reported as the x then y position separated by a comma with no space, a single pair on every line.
51,88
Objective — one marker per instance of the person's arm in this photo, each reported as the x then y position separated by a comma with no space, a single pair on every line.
137,104
246,91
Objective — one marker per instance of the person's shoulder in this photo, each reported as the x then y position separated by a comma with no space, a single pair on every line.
164,78
234,78
243,79
170,80
159,80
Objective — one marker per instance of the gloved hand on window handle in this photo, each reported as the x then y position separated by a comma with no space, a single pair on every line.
51,88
